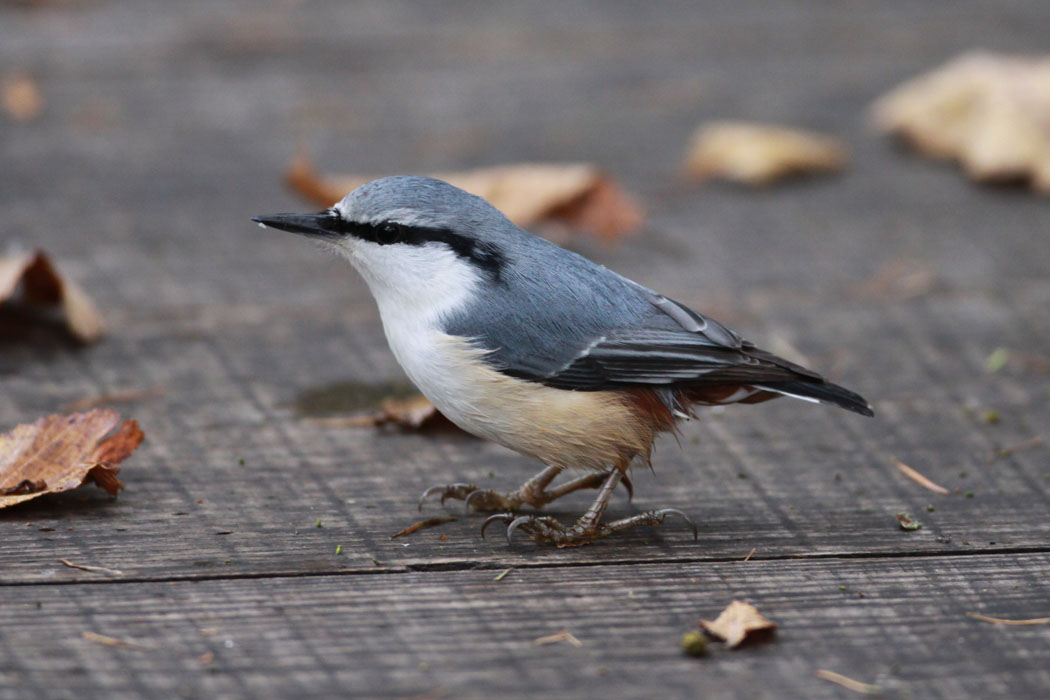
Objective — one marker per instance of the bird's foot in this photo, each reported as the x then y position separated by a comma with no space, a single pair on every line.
586,529
532,493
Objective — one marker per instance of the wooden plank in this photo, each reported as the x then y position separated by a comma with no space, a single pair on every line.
898,623
166,126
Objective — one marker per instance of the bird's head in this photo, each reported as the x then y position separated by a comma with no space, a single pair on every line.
410,237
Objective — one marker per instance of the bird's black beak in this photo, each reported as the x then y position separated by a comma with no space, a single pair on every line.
321,225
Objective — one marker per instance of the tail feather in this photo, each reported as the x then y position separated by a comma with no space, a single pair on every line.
822,392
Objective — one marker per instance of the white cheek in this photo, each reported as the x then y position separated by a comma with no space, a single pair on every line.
415,288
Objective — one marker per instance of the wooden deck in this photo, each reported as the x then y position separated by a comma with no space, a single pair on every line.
167,125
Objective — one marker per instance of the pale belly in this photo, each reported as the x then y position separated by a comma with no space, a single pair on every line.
590,430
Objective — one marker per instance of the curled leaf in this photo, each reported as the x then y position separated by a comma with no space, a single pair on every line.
987,111
58,453
759,154
33,280
576,195
740,622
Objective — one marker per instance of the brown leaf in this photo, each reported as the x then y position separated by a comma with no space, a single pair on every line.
58,453
759,154
987,111
41,285
738,623
577,195
414,413
21,97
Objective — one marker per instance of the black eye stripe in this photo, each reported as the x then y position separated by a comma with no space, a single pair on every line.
486,256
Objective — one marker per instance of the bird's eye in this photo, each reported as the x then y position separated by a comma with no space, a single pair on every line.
388,233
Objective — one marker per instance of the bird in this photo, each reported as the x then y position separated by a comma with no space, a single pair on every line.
525,343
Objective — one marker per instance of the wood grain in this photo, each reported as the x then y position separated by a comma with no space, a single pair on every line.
166,126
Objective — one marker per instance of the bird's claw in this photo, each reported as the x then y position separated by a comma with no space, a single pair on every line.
504,517
534,525
459,491
659,515
483,500
547,529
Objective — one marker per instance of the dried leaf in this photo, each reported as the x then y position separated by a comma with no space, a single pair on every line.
759,154
987,111
740,622
414,413
41,285
21,97
577,195
59,453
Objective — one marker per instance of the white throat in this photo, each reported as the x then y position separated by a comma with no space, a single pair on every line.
415,288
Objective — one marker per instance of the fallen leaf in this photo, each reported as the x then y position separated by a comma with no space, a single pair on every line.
58,453
21,97
738,623
987,111
412,413
576,195
40,285
759,154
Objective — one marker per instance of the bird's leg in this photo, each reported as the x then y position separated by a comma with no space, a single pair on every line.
533,492
589,526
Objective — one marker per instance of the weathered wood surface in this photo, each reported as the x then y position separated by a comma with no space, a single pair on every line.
167,125
900,623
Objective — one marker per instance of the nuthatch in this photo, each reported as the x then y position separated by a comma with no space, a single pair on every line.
519,341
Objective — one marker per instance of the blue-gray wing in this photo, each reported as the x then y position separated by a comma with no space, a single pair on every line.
669,345
695,357
563,321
